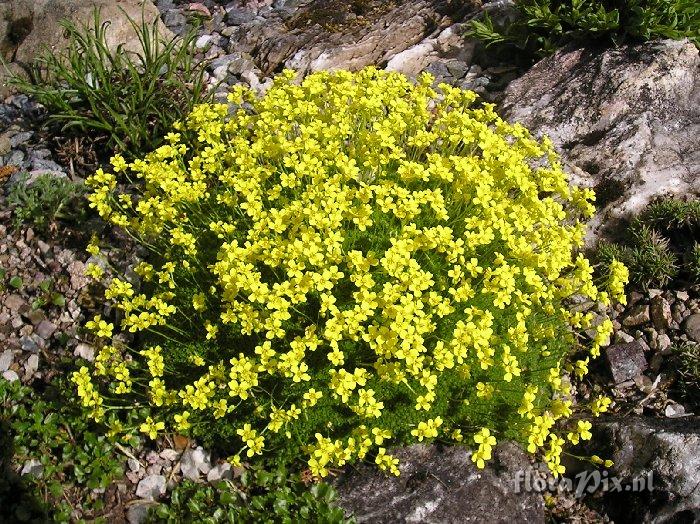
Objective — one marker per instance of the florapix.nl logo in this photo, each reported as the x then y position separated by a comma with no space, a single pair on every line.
583,483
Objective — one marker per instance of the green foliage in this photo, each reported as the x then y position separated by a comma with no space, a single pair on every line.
660,245
44,202
542,26
74,458
130,98
16,282
260,496
47,295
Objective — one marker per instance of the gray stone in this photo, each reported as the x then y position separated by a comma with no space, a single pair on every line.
35,316
237,16
457,68
637,316
10,375
170,455
15,303
438,69
220,472
42,165
175,21
665,450
203,42
663,343
626,120
151,487
84,351
31,343
15,158
32,467
240,65
691,327
626,361
5,360
660,312
32,364
4,145
138,510
674,409
45,329
623,338
442,485
315,46
20,138
194,463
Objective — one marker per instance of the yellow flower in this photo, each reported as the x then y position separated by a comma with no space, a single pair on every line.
151,428
94,271
212,330
182,421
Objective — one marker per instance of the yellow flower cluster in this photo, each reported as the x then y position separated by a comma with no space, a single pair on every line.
354,247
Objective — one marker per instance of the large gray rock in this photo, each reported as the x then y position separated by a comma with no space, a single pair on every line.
667,451
442,485
30,27
626,119
329,34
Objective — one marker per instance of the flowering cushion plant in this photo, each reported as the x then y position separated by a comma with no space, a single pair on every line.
347,263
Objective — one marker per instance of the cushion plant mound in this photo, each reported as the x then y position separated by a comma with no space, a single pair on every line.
345,264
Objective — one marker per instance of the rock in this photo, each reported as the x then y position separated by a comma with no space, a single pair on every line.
36,25
6,358
170,455
317,38
637,316
203,42
31,343
36,316
663,343
442,485
691,327
45,329
674,409
449,42
626,120
626,361
4,143
32,365
78,280
194,462
238,16
660,312
48,13
10,375
665,451
20,138
682,296
175,21
151,487
84,351
219,472
623,338
15,303
199,9
138,510
32,467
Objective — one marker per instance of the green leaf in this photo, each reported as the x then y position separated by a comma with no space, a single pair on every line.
16,282
57,299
